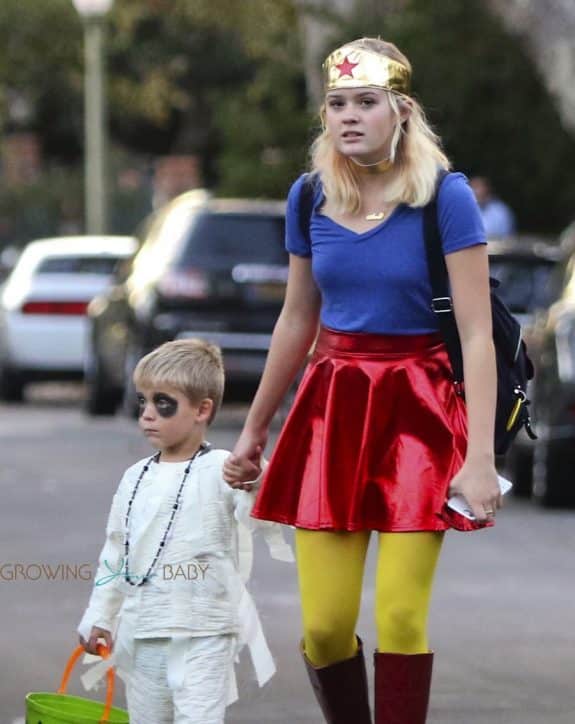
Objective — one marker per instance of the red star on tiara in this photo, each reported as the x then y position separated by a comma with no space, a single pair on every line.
346,68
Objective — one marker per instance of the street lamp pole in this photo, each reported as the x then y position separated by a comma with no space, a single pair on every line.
93,13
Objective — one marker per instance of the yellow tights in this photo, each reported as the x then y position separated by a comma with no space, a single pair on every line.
330,570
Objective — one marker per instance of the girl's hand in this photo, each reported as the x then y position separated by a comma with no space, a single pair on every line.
243,465
477,483
91,646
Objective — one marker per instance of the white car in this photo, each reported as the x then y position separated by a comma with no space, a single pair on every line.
43,303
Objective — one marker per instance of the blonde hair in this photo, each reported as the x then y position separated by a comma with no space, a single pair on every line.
415,151
191,366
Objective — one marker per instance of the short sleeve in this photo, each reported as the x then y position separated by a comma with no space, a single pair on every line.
295,242
460,221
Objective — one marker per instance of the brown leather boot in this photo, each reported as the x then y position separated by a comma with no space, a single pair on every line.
341,689
402,684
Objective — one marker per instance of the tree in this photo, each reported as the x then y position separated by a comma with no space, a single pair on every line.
40,68
265,124
168,63
226,80
548,29
182,78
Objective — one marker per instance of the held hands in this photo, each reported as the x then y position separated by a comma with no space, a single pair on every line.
477,483
91,646
244,464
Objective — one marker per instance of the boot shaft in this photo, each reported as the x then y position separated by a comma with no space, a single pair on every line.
341,689
402,685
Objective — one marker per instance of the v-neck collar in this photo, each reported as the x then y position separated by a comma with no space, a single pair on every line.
367,232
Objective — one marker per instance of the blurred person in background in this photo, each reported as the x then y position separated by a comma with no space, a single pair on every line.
498,219
377,437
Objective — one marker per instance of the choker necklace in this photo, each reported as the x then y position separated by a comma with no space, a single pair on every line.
204,448
374,168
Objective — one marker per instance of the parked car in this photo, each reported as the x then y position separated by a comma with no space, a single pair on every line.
553,460
525,266
43,307
210,268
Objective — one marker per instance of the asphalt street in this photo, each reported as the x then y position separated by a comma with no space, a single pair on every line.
503,612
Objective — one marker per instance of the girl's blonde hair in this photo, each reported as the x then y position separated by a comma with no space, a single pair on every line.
415,151
191,366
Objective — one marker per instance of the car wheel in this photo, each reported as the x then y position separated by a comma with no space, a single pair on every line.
101,398
553,462
11,385
520,468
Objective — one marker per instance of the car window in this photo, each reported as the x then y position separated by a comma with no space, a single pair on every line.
78,265
220,241
526,283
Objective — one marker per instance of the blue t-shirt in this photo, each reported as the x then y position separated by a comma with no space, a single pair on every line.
378,281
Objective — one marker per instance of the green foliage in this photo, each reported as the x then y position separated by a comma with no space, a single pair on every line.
40,64
41,209
224,79
165,62
35,36
265,123
264,138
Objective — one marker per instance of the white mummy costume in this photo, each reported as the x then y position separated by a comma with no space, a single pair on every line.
192,617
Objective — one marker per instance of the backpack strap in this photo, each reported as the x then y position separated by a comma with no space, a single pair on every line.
441,303
306,199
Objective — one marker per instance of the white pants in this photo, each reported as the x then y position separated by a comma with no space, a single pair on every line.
203,695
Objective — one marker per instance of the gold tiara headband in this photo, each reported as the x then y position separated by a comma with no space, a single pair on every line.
351,67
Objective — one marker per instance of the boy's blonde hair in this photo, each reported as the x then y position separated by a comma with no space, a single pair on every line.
415,152
192,366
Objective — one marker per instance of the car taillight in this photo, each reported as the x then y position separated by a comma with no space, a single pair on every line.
57,308
188,283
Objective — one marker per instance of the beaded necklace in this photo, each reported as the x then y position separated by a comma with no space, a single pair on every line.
204,447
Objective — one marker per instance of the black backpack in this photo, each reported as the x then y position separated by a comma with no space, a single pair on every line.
514,368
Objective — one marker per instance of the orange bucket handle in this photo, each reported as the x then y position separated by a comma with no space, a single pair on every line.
104,652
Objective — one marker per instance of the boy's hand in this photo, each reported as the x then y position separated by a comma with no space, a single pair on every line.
239,471
91,646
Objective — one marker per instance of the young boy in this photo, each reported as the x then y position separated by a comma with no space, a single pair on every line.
169,594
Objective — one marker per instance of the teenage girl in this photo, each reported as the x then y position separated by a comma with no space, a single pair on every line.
377,437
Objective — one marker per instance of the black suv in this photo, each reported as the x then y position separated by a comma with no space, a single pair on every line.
210,268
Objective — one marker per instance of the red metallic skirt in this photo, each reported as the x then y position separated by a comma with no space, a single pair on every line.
374,437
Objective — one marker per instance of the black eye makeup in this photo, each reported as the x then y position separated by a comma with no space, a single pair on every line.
166,406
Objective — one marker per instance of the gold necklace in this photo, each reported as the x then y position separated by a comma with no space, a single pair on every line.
379,215
376,216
